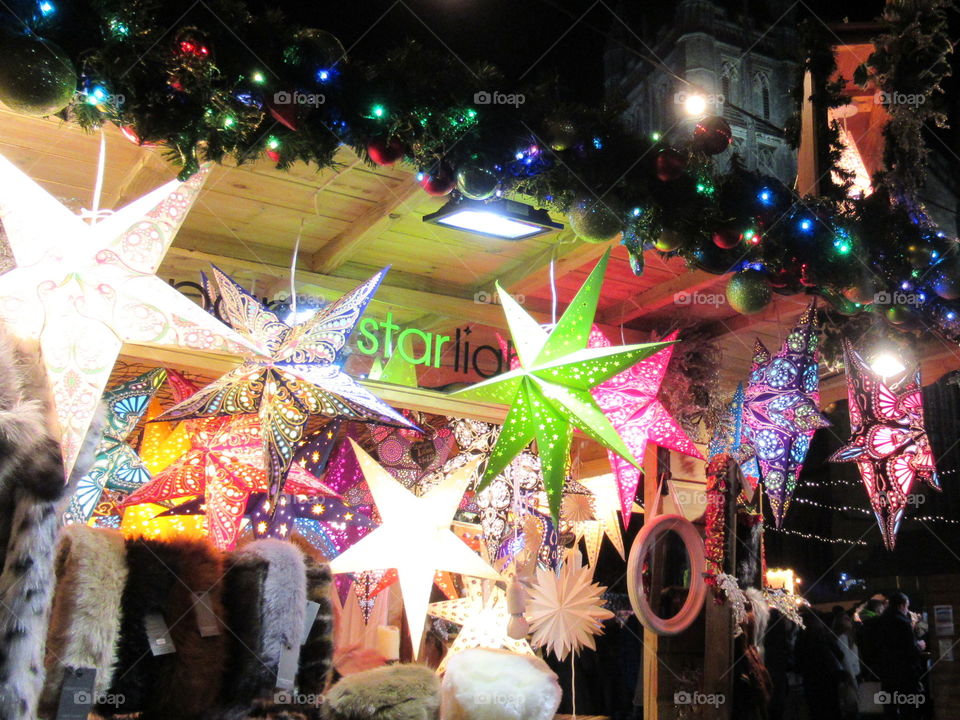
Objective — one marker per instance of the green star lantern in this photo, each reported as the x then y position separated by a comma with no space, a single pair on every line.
549,393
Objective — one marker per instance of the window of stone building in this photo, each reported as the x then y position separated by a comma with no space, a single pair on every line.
761,90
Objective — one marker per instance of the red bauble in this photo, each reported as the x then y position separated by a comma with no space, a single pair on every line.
130,134
385,151
807,278
670,165
440,182
273,155
781,279
712,135
284,113
726,238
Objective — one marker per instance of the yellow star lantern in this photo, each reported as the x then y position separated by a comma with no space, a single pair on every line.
606,504
415,538
483,617
85,289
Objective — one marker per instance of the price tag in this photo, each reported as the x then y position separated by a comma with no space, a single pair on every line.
158,634
206,618
76,693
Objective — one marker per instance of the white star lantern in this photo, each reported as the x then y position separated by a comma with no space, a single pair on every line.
606,521
83,290
415,538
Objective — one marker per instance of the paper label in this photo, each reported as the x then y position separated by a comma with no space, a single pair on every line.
206,618
76,694
158,634
287,670
312,610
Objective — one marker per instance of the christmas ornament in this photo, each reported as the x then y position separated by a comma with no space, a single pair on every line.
549,394
562,133
604,503
299,374
36,77
84,290
629,401
385,151
726,238
593,221
116,465
566,609
897,314
888,440
130,133
225,465
315,48
781,410
945,281
670,165
712,135
862,290
440,181
748,292
476,181
281,107
483,615
668,240
710,258
415,538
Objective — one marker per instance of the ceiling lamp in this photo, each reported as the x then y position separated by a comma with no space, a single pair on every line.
504,219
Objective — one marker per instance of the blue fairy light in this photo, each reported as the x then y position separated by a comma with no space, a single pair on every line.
805,225
765,196
47,8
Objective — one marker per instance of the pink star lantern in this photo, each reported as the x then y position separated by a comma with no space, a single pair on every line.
630,401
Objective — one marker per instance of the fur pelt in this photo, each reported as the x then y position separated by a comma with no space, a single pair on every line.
761,617
91,570
162,578
32,492
394,692
316,655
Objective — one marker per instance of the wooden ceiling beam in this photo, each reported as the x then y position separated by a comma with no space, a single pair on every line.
568,254
656,298
371,224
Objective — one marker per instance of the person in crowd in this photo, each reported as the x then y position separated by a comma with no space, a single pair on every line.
867,637
820,663
778,654
848,686
899,661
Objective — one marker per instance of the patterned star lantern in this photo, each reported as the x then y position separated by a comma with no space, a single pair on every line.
415,538
299,376
888,440
781,410
225,466
549,394
483,616
84,290
630,401
729,439
116,465
604,502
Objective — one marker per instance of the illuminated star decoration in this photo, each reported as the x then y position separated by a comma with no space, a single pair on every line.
728,439
415,538
606,503
84,290
299,375
225,465
781,410
549,394
630,402
483,616
888,440
116,465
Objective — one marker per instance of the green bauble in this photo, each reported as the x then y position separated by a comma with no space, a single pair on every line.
748,292
36,77
592,221
862,291
897,314
476,181
316,48
561,133
668,240
841,304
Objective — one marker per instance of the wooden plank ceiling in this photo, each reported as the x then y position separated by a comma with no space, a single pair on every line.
353,220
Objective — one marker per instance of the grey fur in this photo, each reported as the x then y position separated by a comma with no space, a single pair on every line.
395,692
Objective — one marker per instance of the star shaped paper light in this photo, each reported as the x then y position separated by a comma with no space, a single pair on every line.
415,538
781,410
84,290
728,439
888,440
298,377
630,401
549,394
483,616
605,503
225,466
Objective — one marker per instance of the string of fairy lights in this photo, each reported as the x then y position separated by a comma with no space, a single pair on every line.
814,536
865,511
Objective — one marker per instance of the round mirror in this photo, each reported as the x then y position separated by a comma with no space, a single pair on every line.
665,574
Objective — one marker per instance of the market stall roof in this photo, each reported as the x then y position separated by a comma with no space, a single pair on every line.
349,221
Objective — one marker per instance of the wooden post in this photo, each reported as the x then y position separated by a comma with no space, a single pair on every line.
651,640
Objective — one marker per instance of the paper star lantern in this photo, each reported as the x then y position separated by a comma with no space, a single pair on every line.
225,465
299,376
415,538
566,609
605,500
483,616
729,439
629,400
116,465
549,394
888,440
84,290
781,410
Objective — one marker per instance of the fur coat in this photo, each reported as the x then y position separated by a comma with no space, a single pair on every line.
32,495
91,570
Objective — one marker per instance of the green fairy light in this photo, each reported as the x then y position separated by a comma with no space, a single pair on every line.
273,143
258,78
378,111
229,121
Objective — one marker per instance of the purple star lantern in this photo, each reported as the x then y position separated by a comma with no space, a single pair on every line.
781,409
